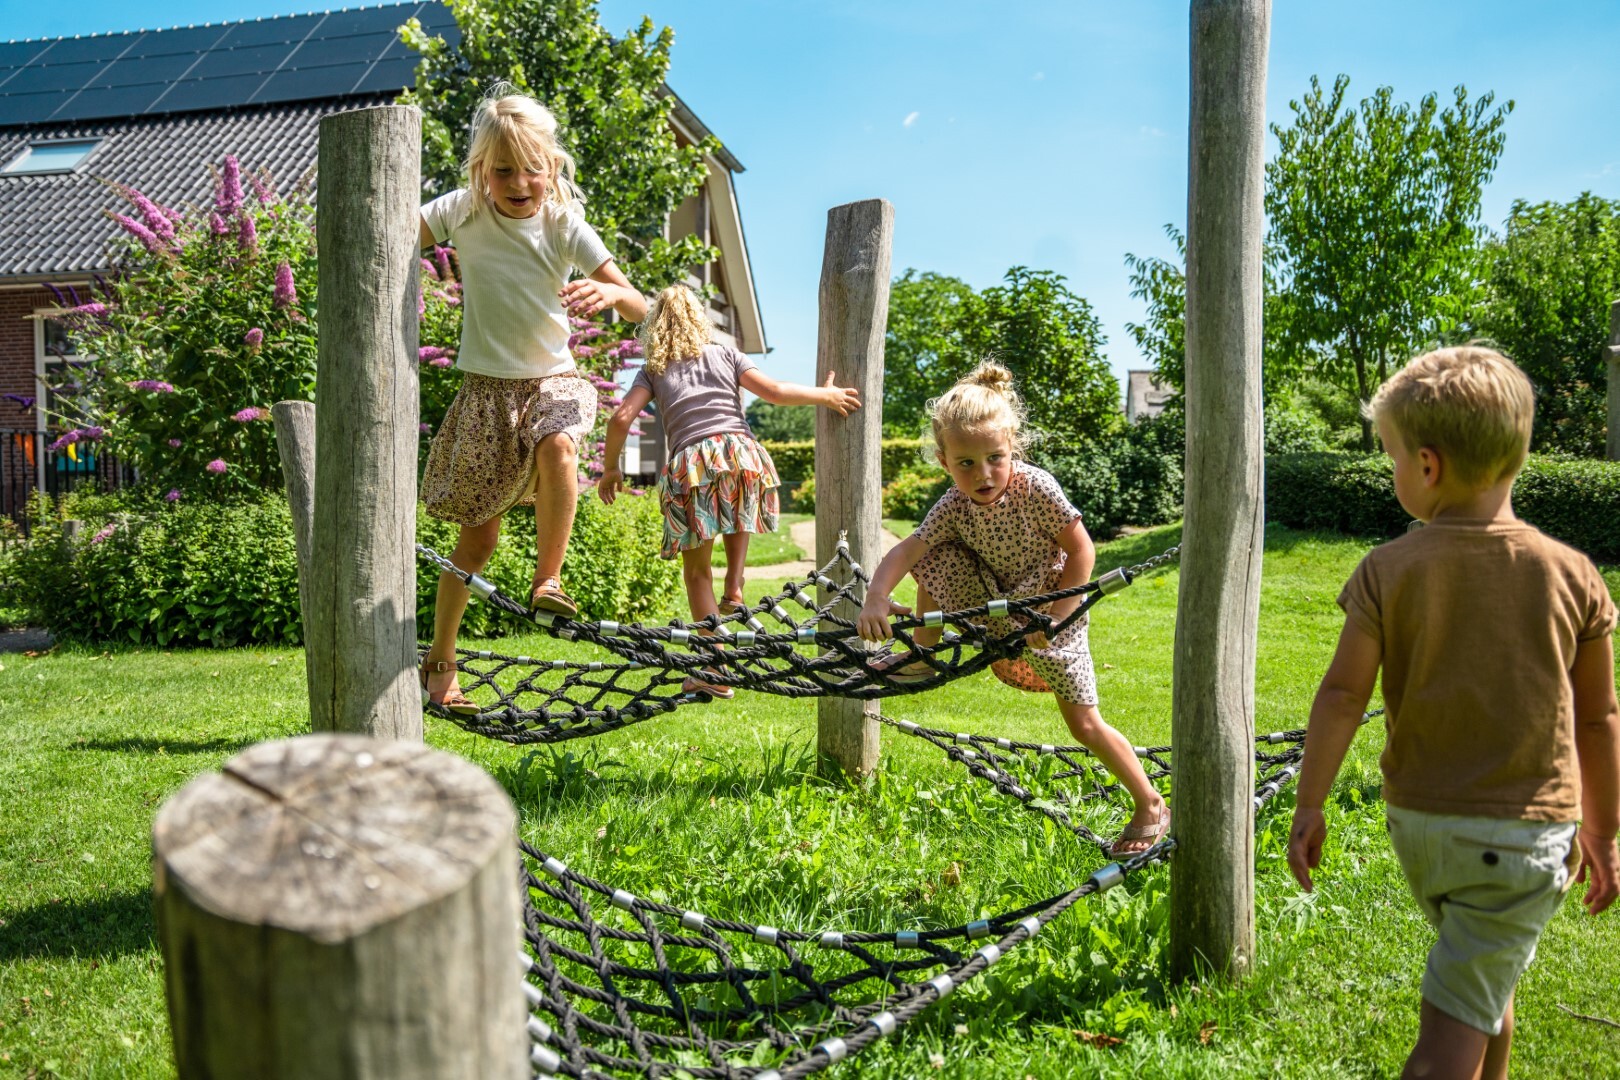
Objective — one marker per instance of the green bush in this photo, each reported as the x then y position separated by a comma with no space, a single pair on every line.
1575,501
1131,479
914,492
802,500
796,461
221,575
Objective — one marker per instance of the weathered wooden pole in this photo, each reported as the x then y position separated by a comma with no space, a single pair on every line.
854,303
1212,729
360,629
337,907
1612,354
295,443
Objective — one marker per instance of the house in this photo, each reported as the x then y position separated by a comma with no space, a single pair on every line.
152,108
1145,396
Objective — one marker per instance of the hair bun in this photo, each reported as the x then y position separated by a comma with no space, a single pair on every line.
991,376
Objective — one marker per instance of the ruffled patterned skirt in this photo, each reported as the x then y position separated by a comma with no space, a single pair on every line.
722,484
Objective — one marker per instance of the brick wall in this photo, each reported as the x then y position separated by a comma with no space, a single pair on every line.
17,352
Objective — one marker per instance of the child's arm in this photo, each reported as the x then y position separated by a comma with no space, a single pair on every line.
873,621
843,399
1597,749
1335,717
425,237
618,428
607,287
1082,558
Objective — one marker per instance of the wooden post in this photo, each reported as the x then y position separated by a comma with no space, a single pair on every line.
854,302
1612,353
336,906
360,633
1212,729
295,442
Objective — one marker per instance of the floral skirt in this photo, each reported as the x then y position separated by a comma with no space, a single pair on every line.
481,463
957,578
722,484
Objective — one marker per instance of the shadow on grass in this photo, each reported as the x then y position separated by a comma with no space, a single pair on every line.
109,925
137,745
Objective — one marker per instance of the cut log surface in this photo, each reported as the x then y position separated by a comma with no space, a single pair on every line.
341,906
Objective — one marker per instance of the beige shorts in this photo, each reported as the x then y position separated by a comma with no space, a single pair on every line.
1490,886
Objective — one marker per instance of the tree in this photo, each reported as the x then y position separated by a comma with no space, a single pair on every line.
612,113
782,423
1375,218
1551,280
939,328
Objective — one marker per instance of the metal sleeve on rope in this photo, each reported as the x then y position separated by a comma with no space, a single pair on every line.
978,928
997,607
745,637
905,939
943,985
826,582
805,635
609,628
1108,877
1004,744
1032,924
479,587
933,618
768,1074
854,568
779,613
539,1030
532,992
555,868
884,1022
832,939
691,920
679,636
991,954
622,899
964,738
766,934
545,1059
1113,581
835,1049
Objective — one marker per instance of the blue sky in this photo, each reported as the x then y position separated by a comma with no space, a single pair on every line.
1048,133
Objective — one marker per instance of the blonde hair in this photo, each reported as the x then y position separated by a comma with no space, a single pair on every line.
514,126
675,329
1470,403
982,401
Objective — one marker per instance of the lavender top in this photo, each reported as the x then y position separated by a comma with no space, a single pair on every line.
700,396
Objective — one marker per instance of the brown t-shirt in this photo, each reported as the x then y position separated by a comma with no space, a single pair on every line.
1478,623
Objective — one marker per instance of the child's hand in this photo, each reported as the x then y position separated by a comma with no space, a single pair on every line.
1305,837
1600,862
584,297
873,621
841,399
609,486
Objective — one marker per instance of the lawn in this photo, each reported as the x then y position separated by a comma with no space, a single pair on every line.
717,808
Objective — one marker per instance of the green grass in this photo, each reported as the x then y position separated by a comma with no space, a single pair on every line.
717,808
768,549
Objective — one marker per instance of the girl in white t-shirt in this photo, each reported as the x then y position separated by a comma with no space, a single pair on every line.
512,434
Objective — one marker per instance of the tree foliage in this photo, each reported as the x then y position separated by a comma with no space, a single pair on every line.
1551,279
939,328
1375,216
782,423
612,113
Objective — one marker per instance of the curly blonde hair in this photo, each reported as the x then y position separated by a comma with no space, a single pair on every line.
675,329
518,128
983,400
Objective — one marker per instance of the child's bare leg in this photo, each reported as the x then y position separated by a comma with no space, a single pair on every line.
1448,1049
1498,1049
927,636
474,546
697,573
1117,756
556,463
736,564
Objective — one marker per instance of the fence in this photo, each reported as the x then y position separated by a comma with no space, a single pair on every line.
27,464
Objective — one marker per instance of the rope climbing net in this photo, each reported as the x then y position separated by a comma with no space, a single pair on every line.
817,654
622,985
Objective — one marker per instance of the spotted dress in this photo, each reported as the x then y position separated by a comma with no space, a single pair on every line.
1008,550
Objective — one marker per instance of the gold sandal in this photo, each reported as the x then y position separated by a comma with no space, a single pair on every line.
696,685
548,596
454,700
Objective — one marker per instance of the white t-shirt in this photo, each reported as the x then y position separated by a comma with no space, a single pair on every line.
513,325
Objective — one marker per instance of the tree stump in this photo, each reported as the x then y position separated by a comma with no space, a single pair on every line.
854,302
336,906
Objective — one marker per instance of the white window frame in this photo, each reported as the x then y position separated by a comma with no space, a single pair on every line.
42,360
11,169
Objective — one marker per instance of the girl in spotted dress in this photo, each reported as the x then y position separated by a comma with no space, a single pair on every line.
1005,530
719,482
512,433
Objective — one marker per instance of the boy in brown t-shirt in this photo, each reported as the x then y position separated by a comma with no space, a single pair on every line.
1498,677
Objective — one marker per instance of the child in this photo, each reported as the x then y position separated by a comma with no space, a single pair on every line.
513,431
1006,530
1502,727
719,481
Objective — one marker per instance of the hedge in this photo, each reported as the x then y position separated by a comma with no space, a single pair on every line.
213,575
1576,501
796,461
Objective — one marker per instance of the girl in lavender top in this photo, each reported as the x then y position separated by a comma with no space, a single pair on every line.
720,482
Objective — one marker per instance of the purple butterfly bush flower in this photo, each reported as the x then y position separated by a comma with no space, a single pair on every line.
249,414
429,353
630,347
285,295
247,234
104,533
426,429
174,444
441,255
228,197
93,433
430,269
253,338
22,399
172,496
217,466
156,220
584,350
147,237
156,386
264,189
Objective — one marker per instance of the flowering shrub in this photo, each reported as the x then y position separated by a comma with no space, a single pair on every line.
208,320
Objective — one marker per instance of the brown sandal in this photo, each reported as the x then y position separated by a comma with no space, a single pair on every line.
728,606
548,597
696,685
1136,834
454,700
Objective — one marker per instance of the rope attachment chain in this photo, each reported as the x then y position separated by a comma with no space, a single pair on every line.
817,654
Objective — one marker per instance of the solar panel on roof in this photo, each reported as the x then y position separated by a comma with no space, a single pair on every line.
272,31
185,41
193,94
116,100
158,70
333,80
